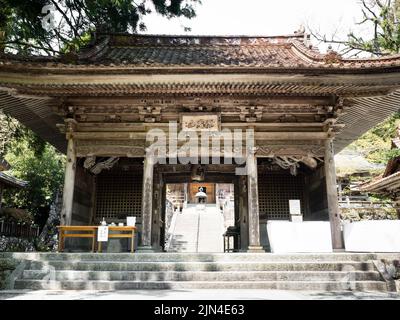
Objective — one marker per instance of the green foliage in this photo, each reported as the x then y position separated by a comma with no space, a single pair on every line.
75,21
394,153
12,130
383,17
7,264
375,144
6,267
44,172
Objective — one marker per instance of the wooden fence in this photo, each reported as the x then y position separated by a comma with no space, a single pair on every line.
19,230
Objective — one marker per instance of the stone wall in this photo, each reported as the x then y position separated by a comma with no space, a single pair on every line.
13,244
368,213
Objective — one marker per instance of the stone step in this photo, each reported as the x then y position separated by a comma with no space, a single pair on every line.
140,285
199,257
204,276
203,266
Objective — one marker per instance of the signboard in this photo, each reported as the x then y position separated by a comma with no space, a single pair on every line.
200,122
102,234
130,221
294,207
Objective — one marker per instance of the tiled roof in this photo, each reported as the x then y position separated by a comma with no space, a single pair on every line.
11,181
382,184
197,51
161,51
293,51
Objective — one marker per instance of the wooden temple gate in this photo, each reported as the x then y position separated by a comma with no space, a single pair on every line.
105,99
135,186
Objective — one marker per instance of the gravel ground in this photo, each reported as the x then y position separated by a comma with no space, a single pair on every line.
193,295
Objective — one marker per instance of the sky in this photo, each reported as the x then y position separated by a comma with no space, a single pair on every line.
264,17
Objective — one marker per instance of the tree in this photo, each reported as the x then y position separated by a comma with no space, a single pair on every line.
11,130
33,160
375,144
53,27
59,26
44,173
383,19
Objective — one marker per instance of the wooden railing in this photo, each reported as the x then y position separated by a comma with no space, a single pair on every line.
18,230
361,202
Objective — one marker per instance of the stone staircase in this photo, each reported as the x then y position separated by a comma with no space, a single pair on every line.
124,271
197,230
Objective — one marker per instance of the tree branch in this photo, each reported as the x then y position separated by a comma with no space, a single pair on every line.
67,20
22,43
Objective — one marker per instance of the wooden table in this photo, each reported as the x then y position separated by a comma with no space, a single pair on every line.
125,232
91,232
76,232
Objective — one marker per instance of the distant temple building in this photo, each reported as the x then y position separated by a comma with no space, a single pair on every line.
388,183
352,171
99,105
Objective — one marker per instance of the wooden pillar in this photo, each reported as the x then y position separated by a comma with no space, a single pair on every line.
69,184
306,197
252,203
1,194
242,211
158,219
147,202
332,196
185,190
396,201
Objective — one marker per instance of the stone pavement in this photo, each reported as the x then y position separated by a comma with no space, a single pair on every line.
225,294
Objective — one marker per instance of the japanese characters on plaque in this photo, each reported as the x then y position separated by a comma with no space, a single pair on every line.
200,122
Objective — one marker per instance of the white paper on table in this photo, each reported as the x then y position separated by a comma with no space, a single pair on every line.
102,234
130,221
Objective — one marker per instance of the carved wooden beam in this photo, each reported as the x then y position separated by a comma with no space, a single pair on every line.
311,150
142,135
107,164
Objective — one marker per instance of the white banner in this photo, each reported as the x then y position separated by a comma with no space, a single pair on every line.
102,234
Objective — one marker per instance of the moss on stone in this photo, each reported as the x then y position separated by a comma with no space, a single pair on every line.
7,266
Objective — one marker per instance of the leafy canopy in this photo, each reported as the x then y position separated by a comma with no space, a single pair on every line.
44,173
382,19
375,144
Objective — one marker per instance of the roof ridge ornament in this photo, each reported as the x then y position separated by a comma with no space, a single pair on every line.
71,56
306,36
332,56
